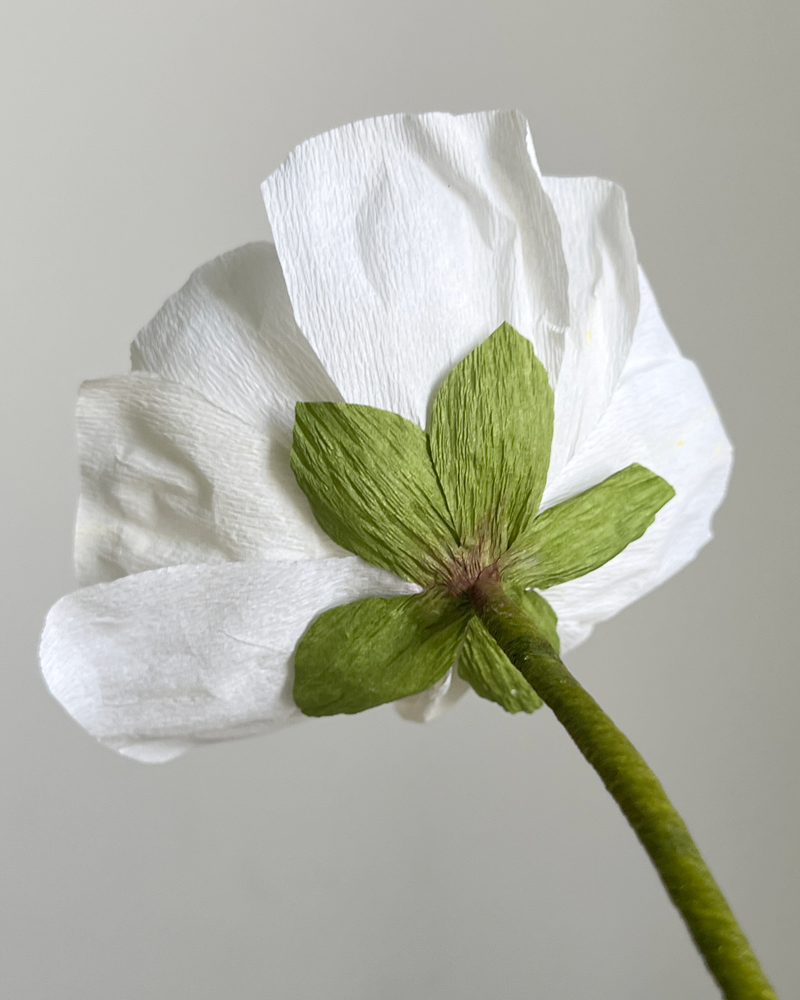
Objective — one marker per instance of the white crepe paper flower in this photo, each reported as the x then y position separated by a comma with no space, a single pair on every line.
400,244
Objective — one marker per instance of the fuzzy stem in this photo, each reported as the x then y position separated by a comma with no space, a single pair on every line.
637,791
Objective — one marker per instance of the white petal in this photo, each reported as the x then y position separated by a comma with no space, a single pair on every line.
603,301
531,150
168,478
230,334
662,416
429,705
161,661
406,240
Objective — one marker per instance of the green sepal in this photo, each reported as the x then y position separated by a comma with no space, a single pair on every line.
379,649
369,479
491,429
581,534
488,670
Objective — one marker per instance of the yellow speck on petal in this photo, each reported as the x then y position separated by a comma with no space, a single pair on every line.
588,336
718,449
681,444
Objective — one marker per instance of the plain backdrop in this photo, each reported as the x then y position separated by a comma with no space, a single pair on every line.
365,857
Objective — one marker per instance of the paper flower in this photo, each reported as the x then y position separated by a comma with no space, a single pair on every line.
401,243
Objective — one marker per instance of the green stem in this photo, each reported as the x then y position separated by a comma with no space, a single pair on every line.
637,791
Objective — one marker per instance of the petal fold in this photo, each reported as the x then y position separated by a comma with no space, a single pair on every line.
431,703
405,240
168,478
662,417
229,333
603,304
158,662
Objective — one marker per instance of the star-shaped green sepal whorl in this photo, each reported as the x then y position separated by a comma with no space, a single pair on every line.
440,508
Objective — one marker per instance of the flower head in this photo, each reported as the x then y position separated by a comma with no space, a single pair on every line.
401,244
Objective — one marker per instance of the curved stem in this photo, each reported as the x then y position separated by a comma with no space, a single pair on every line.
637,791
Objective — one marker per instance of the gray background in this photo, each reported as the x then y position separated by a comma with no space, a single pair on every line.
365,857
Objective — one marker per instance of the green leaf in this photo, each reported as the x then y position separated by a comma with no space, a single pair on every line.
490,434
486,667
360,655
581,534
369,479
539,612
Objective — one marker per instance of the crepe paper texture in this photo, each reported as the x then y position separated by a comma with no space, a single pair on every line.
266,531
370,482
487,669
440,510
369,652
636,790
491,430
400,244
584,533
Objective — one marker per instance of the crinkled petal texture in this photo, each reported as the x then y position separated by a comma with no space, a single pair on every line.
401,243
603,304
185,464
407,240
230,334
169,478
157,662
660,415
187,459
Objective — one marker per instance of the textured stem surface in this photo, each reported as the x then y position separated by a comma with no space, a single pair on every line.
637,791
